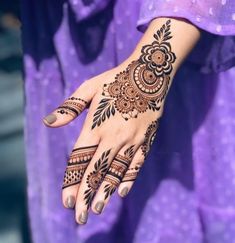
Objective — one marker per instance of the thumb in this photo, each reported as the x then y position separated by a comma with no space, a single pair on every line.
72,107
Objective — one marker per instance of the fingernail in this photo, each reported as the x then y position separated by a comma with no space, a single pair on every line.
70,202
83,217
99,206
124,191
50,118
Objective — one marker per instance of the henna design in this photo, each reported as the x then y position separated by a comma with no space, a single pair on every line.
73,106
149,137
150,134
158,56
132,172
77,164
143,85
95,177
117,170
105,109
129,153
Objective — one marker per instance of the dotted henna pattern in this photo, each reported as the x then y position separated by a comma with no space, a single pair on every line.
132,172
73,106
77,164
143,85
149,137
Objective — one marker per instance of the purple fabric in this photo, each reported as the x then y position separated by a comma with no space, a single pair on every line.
215,16
186,189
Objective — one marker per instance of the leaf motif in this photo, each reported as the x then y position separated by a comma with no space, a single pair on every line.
108,152
99,122
113,110
103,117
108,112
87,193
163,34
106,195
129,152
97,112
152,106
109,190
93,125
167,38
113,190
105,100
103,111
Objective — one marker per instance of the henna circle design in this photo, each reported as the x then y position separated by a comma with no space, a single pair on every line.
95,177
146,82
143,85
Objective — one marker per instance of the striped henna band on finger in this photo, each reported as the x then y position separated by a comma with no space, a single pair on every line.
77,164
72,106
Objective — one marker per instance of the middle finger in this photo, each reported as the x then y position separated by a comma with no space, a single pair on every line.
92,179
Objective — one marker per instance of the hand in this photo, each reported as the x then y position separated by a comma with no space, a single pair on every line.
125,105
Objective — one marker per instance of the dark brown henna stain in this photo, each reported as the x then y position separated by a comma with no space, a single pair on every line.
143,85
73,106
149,137
132,172
77,164
117,170
105,109
158,56
95,177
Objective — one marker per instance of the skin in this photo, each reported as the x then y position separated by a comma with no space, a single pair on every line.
127,133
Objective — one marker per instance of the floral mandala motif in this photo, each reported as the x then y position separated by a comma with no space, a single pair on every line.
158,58
144,83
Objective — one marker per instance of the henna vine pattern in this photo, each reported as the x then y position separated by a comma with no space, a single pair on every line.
150,134
117,170
77,164
149,137
95,177
144,83
72,106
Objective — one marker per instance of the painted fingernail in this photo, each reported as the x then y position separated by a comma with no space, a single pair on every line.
99,206
83,217
124,191
70,202
50,118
